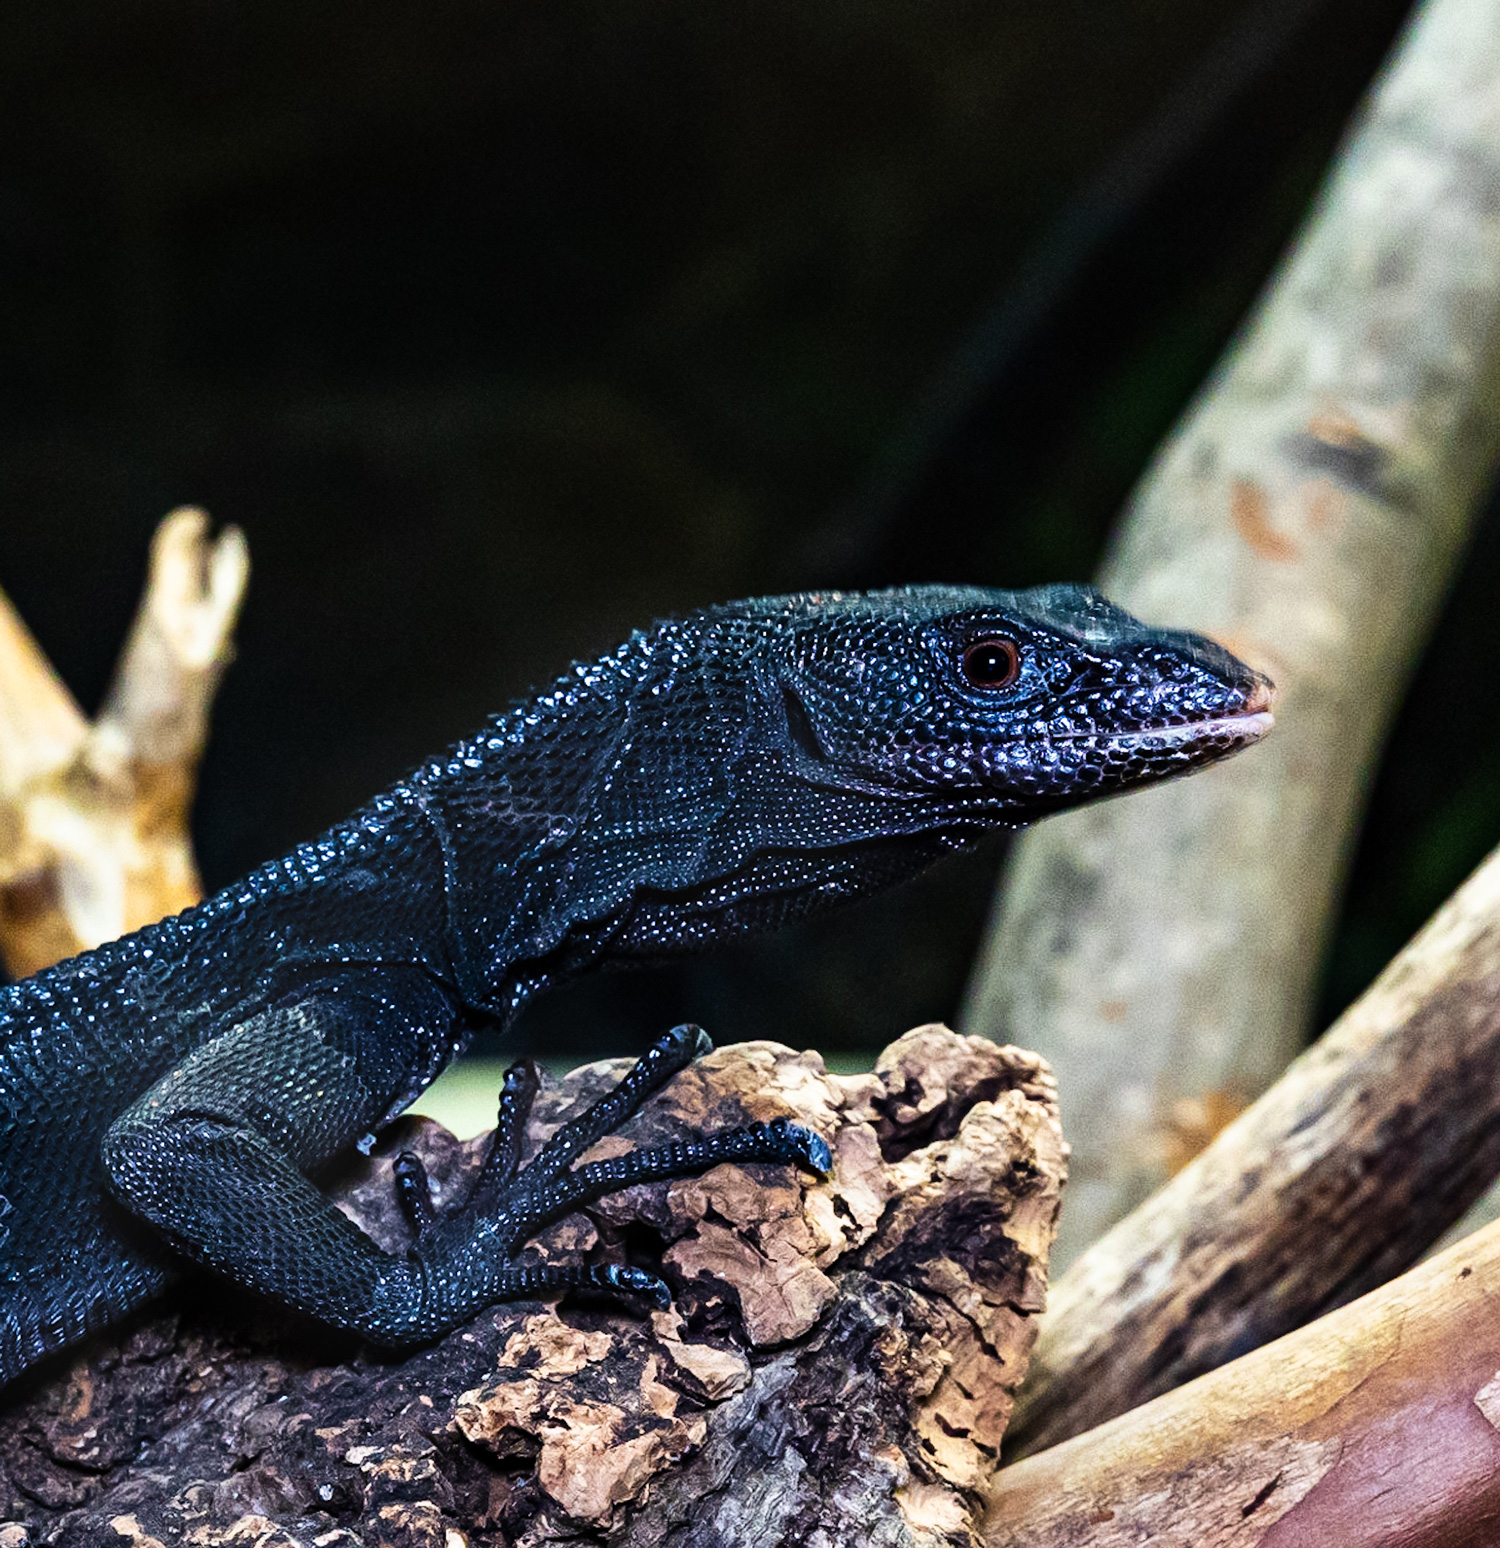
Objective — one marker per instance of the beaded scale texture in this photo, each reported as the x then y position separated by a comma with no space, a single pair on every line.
168,1094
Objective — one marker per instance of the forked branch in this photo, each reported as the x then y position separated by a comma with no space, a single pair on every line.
94,835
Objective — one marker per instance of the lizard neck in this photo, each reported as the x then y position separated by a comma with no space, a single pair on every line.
649,804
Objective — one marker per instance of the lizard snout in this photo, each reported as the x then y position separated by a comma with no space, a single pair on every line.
1260,696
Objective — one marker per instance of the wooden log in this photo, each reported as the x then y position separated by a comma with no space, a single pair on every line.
94,837
1340,1176
838,1365
1375,1427
1162,951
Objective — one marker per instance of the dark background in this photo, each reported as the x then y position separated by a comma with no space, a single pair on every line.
501,329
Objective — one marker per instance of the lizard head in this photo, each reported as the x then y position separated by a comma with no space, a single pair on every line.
1007,704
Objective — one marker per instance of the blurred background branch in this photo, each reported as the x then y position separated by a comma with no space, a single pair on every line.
94,837
1164,952
1374,1426
1353,1164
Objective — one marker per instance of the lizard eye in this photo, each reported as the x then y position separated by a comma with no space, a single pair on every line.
991,663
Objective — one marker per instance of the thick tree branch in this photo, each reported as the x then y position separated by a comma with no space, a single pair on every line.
1309,513
838,1365
1375,1426
1359,1158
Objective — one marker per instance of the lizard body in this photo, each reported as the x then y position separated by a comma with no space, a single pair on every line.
168,1094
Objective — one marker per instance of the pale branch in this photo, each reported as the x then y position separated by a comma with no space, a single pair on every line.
179,643
1162,951
94,837
1376,1425
1365,1151
41,728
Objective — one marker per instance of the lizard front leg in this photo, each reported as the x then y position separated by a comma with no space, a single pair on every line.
215,1156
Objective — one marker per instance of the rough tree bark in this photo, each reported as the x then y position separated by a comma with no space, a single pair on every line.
838,1366
1161,951
94,835
1377,1426
1355,1162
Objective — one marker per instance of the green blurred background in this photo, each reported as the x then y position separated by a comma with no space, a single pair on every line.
501,329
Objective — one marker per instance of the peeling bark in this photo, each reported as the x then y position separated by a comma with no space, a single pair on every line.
838,1366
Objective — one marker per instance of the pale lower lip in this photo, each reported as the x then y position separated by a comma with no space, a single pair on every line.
1251,727
1244,728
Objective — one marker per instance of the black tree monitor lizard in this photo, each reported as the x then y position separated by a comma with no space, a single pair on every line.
167,1096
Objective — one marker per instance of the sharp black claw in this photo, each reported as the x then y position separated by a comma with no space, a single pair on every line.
801,1144
522,1076
633,1281
687,1042
518,1202
413,1191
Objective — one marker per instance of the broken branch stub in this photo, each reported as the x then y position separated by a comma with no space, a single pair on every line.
94,837
841,1354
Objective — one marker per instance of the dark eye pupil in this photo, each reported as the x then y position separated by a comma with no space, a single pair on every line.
991,664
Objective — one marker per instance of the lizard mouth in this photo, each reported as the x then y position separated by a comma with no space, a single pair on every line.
1246,727
1247,724
1120,759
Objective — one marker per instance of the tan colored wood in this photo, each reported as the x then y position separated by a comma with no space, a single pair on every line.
1309,513
1345,1171
1375,1427
41,727
94,837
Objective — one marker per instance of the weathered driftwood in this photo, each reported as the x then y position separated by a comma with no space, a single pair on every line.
1163,950
1374,1427
838,1366
94,818
1340,1176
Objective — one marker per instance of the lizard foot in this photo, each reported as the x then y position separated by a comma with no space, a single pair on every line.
513,1202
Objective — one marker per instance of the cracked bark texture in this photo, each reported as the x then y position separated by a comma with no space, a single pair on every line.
1161,951
838,1366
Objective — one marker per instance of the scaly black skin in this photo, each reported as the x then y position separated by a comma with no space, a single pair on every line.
167,1095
